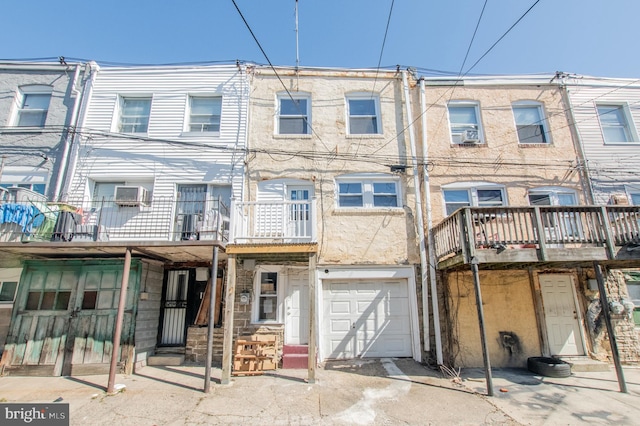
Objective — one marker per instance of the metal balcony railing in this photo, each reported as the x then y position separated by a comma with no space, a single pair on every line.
472,228
27,216
273,222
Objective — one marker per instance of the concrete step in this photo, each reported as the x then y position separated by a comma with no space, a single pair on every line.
295,349
166,359
585,364
295,361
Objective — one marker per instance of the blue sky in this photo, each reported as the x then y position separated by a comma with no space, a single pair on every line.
591,37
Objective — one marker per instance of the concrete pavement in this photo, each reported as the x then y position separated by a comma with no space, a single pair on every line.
358,392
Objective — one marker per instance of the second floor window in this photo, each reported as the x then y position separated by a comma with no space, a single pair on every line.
293,115
473,196
464,122
529,123
33,109
205,114
368,192
614,123
364,117
134,115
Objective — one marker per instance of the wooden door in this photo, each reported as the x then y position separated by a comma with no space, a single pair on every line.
561,316
64,319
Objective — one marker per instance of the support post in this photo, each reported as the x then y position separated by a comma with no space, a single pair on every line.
312,319
212,309
117,334
483,333
607,319
229,302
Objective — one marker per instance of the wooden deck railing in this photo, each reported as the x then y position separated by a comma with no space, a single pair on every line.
472,228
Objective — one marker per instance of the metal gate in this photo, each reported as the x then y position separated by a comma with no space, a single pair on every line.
174,309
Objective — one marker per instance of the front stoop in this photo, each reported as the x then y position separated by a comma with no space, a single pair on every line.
295,356
582,364
167,356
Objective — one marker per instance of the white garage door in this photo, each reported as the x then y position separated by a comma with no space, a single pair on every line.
366,319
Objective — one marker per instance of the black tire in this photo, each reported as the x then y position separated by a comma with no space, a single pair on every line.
549,367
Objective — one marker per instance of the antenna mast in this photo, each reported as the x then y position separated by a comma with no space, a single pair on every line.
297,44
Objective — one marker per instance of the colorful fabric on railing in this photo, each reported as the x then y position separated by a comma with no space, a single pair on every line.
20,214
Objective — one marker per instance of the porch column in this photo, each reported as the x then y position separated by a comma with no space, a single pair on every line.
227,346
483,333
607,320
312,319
117,334
212,308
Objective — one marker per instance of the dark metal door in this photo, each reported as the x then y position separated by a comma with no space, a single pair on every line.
174,308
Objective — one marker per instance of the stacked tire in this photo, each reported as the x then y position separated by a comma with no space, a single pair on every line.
548,367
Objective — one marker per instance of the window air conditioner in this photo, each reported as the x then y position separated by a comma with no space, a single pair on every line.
132,196
619,199
469,136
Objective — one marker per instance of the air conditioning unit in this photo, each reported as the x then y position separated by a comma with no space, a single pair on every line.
132,196
619,199
469,136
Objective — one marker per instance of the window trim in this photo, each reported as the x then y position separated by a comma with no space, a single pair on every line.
367,181
543,120
188,116
480,128
21,93
472,190
375,97
279,296
117,122
629,123
553,192
306,117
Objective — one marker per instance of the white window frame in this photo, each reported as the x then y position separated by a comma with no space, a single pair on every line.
628,125
542,121
456,137
377,116
118,127
110,202
189,118
21,96
368,194
554,195
304,115
472,189
10,275
278,296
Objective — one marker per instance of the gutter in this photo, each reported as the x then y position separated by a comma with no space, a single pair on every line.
432,254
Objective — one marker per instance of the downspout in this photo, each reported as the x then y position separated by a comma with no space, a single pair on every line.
432,253
85,99
418,195
62,167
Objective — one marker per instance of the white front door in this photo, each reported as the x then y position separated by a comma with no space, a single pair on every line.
561,315
366,318
297,308
299,213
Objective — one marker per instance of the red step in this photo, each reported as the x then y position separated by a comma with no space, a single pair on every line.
295,349
297,361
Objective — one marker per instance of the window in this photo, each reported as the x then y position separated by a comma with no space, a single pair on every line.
267,296
363,114
530,122
293,115
464,122
635,198
457,196
35,187
367,192
8,291
134,115
552,197
204,114
557,224
614,123
33,105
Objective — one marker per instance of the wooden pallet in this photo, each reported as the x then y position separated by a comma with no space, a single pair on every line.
250,356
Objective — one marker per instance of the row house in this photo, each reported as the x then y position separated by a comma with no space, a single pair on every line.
520,250
157,156
38,112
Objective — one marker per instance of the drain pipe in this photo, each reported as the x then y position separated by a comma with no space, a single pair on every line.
432,253
418,195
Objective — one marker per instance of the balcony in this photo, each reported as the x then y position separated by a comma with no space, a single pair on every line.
273,222
102,227
526,235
